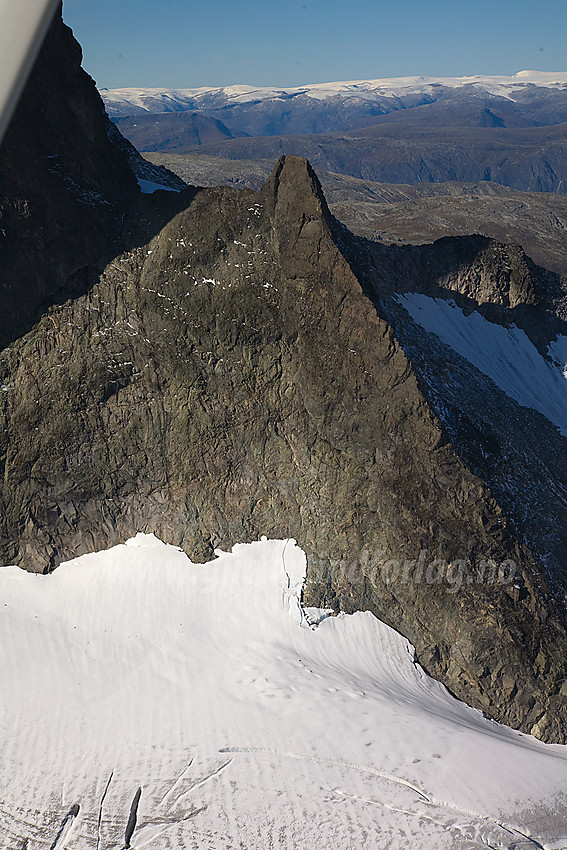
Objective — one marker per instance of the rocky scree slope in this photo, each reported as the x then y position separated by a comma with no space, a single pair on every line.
215,371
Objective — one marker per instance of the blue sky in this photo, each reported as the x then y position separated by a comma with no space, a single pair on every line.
181,44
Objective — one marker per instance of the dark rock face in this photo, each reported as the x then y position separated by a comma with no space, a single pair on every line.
64,187
229,379
227,375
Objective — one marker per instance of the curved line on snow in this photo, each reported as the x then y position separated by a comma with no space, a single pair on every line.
391,778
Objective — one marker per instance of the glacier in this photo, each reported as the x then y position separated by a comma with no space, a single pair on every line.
149,701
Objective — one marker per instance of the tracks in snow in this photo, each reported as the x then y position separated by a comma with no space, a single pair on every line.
176,782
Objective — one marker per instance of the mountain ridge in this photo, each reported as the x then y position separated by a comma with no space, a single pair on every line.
175,98
527,159
248,419
231,366
410,214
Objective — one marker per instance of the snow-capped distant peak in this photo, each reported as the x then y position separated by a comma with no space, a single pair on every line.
166,100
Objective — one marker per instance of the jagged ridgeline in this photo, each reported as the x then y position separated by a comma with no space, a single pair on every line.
208,365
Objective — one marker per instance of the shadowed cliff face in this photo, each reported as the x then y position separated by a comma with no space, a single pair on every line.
64,187
225,376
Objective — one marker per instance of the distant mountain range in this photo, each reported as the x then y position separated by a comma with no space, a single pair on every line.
529,159
387,94
508,130
529,98
172,130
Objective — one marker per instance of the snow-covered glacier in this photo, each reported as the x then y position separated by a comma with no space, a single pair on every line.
151,702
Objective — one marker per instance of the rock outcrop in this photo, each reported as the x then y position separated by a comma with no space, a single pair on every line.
228,375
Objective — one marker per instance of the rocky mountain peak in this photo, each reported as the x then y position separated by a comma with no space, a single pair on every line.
294,198
294,185
208,367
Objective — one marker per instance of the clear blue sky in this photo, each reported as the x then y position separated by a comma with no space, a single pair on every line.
184,43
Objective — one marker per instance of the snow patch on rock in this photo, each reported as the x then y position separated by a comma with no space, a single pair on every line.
506,355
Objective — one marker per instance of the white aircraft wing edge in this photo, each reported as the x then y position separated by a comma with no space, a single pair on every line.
23,25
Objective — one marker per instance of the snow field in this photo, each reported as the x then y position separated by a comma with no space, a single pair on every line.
151,702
